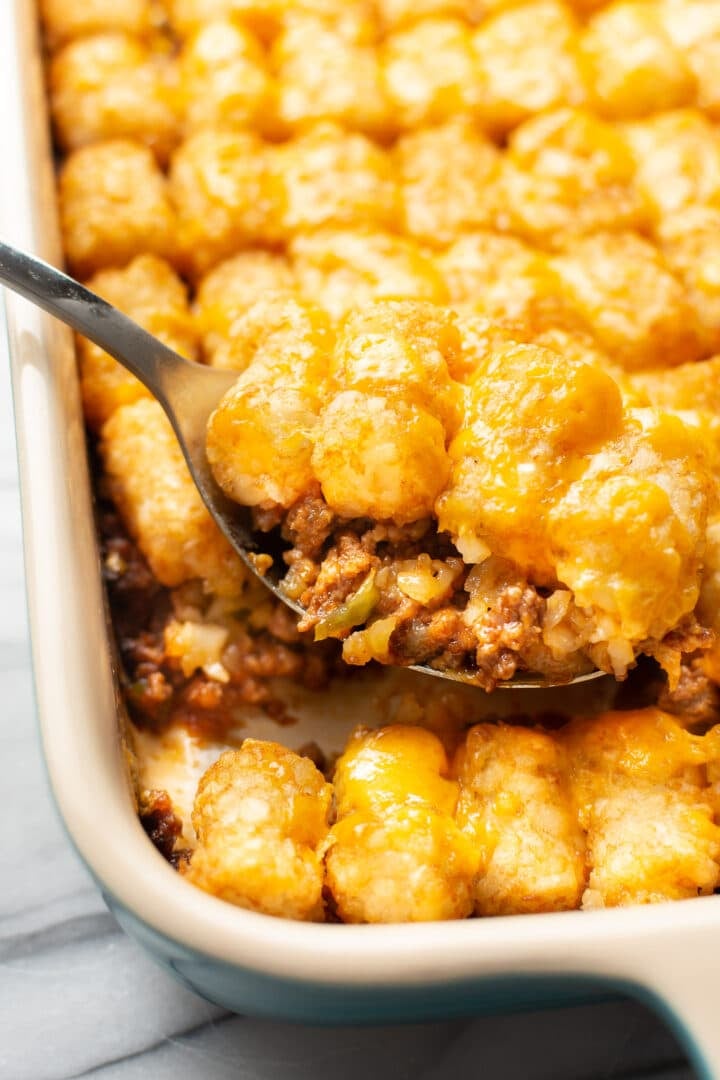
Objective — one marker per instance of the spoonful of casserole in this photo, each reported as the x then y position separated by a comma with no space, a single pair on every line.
434,497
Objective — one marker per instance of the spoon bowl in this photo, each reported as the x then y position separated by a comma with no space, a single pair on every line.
188,392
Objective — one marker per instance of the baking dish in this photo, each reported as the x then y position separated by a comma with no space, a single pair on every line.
662,954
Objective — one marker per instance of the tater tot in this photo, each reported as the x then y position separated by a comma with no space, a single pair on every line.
637,780
114,205
110,86
331,177
692,392
161,506
380,458
648,492
259,439
690,243
635,69
347,269
226,293
448,181
189,16
635,308
430,72
516,809
151,293
567,173
687,388
261,819
573,344
402,350
503,278
522,73
64,20
324,76
479,337
395,853
290,337
677,160
354,18
396,13
583,7
694,27
220,185
507,466
223,80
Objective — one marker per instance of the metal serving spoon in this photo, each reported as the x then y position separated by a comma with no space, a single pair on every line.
187,391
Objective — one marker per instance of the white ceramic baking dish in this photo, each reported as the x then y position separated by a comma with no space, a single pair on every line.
664,955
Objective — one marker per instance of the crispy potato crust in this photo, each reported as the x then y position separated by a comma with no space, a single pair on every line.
261,816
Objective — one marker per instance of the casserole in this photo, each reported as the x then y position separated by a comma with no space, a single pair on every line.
242,960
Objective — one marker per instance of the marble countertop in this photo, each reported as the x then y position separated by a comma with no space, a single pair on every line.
78,998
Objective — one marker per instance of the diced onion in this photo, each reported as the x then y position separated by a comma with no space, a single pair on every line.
425,580
197,646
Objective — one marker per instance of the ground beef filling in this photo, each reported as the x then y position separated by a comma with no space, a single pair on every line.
695,699
403,595
328,561
162,825
350,574
158,693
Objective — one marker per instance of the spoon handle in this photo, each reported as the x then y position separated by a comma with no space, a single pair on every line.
70,302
